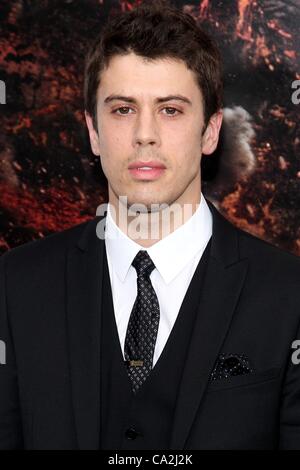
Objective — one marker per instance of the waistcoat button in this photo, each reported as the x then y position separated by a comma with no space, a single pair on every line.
131,433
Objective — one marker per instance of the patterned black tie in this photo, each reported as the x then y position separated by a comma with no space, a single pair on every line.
143,324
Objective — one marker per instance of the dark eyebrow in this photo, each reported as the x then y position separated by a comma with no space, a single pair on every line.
162,99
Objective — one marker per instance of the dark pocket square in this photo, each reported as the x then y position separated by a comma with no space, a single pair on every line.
228,365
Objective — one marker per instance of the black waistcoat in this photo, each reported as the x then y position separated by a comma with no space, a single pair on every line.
144,420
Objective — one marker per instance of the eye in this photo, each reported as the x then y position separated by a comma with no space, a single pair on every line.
172,109
122,107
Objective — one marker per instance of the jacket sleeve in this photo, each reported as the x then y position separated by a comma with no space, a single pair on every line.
10,419
290,401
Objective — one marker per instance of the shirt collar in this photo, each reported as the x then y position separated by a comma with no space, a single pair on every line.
170,254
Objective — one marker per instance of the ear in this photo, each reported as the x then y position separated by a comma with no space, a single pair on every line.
210,137
94,137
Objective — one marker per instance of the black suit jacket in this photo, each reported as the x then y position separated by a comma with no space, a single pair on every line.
50,294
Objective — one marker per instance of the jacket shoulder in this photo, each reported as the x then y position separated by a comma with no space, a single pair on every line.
52,245
264,253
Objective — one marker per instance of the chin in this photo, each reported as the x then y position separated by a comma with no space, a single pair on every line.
144,202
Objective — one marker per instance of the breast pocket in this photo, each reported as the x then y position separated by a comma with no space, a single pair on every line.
253,378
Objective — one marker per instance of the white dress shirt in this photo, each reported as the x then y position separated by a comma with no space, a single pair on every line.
175,256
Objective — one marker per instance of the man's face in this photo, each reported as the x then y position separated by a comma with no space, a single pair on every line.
167,132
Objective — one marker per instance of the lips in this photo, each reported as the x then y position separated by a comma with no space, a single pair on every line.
142,164
146,171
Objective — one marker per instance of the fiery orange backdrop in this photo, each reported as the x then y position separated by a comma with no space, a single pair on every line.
49,179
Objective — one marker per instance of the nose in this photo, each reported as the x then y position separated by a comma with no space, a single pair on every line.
146,129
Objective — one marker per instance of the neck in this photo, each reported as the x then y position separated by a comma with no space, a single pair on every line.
147,228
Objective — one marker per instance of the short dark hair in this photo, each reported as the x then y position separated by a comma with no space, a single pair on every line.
156,30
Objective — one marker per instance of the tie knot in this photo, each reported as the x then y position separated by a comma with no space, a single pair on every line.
143,263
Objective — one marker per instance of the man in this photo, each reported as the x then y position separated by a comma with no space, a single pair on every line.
118,339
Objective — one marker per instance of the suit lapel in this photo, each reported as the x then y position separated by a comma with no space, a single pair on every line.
224,280
84,283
